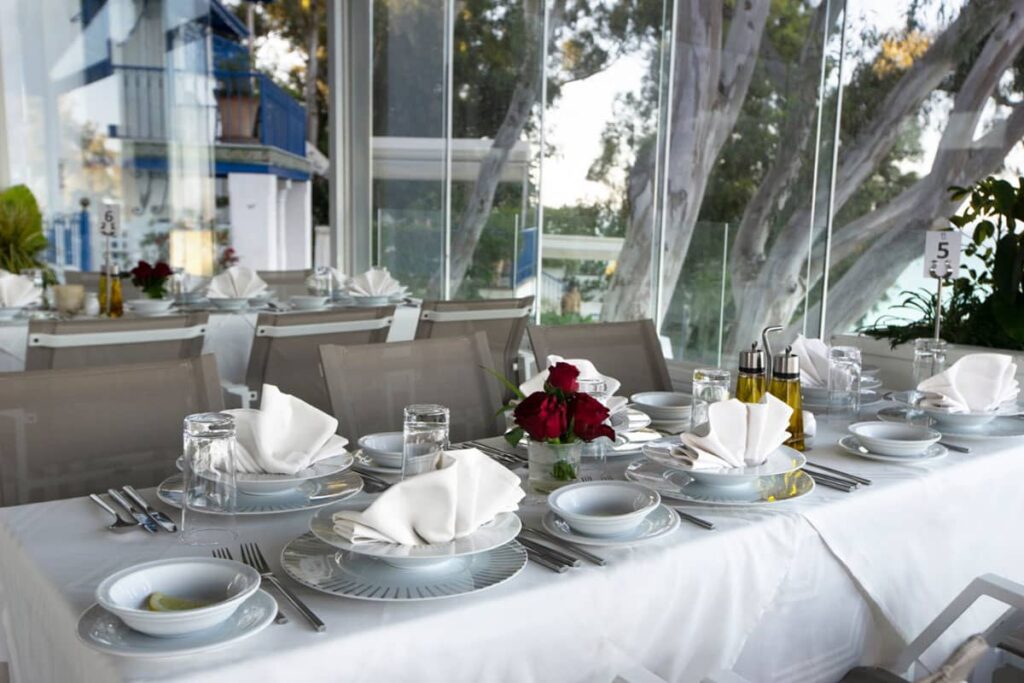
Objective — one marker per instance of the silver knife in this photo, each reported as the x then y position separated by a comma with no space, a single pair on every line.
165,522
144,521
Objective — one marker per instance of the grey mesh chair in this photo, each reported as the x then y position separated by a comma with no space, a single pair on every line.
66,433
629,351
502,320
54,344
285,283
286,349
370,385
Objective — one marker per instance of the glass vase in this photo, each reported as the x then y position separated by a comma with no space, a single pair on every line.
553,465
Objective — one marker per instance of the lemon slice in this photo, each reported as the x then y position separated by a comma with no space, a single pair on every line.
161,602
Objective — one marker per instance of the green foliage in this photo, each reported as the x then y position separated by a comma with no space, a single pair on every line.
987,306
21,230
552,318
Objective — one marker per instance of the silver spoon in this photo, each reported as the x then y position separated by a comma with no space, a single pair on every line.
119,524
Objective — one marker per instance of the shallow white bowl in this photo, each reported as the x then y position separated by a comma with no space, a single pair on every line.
894,438
369,301
230,304
149,306
663,405
959,420
384,448
307,302
225,583
604,508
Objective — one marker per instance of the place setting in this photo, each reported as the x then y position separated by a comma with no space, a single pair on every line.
976,397
832,377
286,457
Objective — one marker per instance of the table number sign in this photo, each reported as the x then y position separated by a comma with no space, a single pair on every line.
942,253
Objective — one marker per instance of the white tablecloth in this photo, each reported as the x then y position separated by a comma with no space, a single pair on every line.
800,592
228,336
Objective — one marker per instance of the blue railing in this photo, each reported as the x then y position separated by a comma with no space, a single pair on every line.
244,107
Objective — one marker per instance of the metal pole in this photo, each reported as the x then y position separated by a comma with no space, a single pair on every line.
661,227
817,154
540,164
832,190
449,108
721,303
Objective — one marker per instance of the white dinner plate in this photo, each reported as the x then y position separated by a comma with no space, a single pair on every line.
504,528
850,444
780,461
323,567
663,520
367,464
101,630
999,428
676,485
311,494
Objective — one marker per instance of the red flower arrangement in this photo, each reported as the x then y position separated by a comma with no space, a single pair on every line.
560,414
151,278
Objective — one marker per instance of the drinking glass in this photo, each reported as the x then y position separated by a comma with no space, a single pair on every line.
425,436
844,373
597,449
929,360
176,286
595,387
209,496
322,282
710,385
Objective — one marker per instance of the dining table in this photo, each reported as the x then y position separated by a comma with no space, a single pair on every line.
795,591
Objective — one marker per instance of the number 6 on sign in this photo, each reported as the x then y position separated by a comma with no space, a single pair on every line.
110,220
941,253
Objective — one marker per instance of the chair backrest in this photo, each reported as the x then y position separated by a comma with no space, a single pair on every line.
502,320
57,344
369,386
286,348
285,282
71,432
628,351
91,282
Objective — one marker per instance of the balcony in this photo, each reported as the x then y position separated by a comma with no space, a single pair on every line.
252,121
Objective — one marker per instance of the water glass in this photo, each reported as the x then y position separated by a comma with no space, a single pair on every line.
322,282
844,374
929,359
425,436
710,385
209,495
596,387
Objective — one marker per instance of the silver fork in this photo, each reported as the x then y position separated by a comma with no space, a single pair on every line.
225,554
253,557
119,524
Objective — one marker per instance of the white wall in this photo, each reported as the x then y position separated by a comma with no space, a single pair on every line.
253,214
296,225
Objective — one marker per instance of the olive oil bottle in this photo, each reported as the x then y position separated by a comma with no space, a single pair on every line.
750,383
785,386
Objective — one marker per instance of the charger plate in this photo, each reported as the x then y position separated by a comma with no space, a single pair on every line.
674,484
323,567
311,494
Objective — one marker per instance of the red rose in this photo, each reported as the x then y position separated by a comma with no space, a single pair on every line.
562,376
588,416
542,415
142,271
161,270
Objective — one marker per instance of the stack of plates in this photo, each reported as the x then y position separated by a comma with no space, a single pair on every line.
669,411
778,479
327,562
328,481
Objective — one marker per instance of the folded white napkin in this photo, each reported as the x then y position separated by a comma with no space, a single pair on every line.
977,383
17,291
737,434
586,368
285,436
374,282
813,355
468,491
237,282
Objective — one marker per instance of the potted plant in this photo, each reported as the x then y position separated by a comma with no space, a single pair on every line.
558,421
151,279
986,307
21,231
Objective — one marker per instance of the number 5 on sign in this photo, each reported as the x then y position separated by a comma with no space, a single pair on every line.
110,220
942,253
